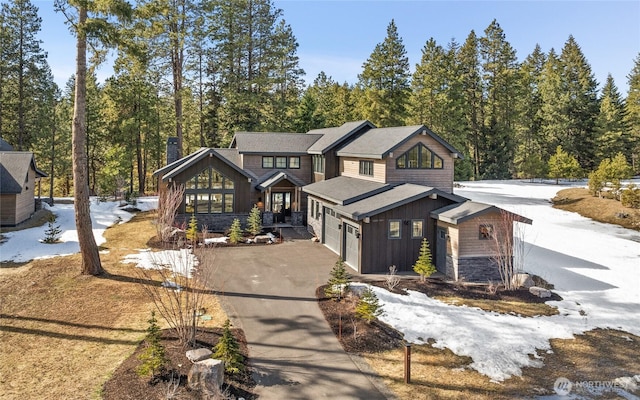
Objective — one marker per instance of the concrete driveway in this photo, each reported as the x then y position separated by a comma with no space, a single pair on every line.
269,292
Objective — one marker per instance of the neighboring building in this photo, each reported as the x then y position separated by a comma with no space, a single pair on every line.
369,194
18,178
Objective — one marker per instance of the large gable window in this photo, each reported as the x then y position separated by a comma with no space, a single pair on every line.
209,192
419,157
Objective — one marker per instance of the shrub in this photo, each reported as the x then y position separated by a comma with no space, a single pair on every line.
254,222
391,279
368,306
153,357
192,230
424,266
228,350
235,232
630,197
338,281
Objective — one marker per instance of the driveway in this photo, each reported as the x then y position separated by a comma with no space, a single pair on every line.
269,292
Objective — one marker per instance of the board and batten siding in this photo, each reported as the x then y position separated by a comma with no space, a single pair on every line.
350,166
438,178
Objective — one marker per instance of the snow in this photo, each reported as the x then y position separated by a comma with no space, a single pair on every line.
595,268
25,245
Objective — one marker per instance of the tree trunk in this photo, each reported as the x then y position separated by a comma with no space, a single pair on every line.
90,257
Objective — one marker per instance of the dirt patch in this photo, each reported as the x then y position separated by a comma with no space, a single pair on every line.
610,211
125,384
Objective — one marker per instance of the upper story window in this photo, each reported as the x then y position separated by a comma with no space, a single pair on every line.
419,157
294,162
366,168
267,161
281,162
318,163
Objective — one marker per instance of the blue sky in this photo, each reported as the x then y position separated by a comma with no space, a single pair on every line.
338,36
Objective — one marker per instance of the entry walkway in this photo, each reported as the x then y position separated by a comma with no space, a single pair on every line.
269,292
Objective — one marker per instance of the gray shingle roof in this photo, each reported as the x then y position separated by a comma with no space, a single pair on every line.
344,190
14,170
273,142
332,137
229,156
458,213
378,143
395,197
4,146
274,177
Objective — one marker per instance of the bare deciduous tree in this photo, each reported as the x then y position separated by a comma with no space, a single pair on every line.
391,279
507,242
168,203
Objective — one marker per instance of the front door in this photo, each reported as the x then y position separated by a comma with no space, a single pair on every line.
280,205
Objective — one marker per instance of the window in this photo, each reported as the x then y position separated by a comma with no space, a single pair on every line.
419,157
318,163
317,209
189,204
394,229
228,202
312,208
294,162
209,192
281,162
417,228
202,204
267,161
485,232
366,168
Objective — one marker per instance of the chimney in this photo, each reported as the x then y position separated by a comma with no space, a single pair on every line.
172,150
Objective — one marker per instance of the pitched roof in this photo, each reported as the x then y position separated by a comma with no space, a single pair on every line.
344,190
4,146
276,176
378,143
229,156
458,213
332,137
272,142
395,197
14,170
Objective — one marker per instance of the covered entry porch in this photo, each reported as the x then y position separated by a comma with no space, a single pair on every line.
281,200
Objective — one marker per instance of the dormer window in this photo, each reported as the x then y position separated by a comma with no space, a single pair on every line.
366,168
419,157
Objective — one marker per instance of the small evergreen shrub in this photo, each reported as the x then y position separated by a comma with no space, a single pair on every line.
235,232
368,306
424,266
53,232
339,281
630,197
228,350
192,230
153,358
254,222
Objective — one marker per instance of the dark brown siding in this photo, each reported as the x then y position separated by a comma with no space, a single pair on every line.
8,209
379,252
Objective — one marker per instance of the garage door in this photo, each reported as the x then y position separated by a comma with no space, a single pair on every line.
332,230
351,245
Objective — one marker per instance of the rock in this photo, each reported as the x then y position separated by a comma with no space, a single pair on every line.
262,239
522,280
206,376
198,354
540,292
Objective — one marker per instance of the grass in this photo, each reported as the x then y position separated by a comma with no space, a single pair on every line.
503,306
579,200
63,334
598,355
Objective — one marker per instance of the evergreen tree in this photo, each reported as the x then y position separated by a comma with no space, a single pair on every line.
153,358
192,230
613,134
368,306
53,231
610,171
563,165
228,350
424,266
254,221
339,281
235,232
552,115
385,82
632,116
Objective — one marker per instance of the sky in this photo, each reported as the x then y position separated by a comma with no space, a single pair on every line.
338,36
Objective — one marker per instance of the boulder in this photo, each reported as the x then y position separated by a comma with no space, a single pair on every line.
540,292
522,280
206,376
199,354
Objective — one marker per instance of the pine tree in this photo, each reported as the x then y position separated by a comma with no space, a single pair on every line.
53,231
235,232
192,230
368,306
554,121
632,117
339,281
385,82
153,358
424,266
563,165
254,221
228,350
613,134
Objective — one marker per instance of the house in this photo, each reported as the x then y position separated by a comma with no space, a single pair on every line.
369,194
18,178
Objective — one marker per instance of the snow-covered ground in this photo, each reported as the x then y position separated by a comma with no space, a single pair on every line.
26,245
595,267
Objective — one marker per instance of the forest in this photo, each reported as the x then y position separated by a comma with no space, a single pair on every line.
203,70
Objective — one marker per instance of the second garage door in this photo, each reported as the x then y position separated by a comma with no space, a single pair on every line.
332,230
